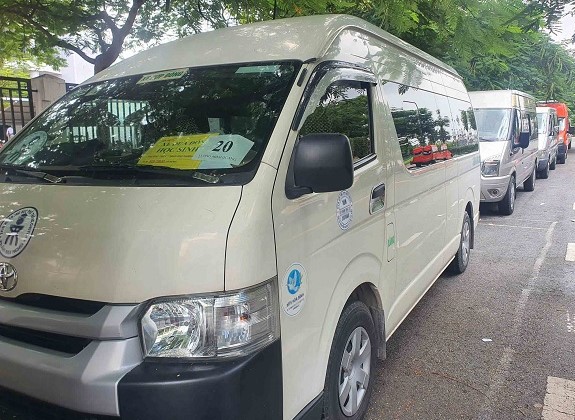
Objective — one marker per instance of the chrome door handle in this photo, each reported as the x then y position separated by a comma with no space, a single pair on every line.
377,201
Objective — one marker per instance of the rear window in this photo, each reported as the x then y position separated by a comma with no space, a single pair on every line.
213,122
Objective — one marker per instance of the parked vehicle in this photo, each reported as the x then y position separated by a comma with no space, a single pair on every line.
508,144
564,127
548,134
228,225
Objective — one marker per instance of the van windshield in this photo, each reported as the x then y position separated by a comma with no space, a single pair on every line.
561,123
212,123
493,124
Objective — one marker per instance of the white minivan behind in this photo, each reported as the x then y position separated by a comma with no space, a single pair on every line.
231,225
508,144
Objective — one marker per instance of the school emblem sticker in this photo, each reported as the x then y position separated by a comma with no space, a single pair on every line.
294,289
16,231
344,210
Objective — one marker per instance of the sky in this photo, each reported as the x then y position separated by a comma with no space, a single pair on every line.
567,25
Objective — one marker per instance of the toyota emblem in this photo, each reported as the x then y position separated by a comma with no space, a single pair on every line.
8,277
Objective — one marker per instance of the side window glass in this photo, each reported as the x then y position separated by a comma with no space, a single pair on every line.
532,117
516,127
464,138
422,122
344,108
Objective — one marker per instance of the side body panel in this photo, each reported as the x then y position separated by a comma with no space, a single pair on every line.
416,228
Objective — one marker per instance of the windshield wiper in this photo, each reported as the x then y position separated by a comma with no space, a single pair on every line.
150,170
53,179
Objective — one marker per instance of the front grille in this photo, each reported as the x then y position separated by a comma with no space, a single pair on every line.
57,342
16,406
56,303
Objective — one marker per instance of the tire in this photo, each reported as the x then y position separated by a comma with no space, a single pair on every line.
461,260
544,174
355,325
507,205
554,163
569,146
529,183
562,158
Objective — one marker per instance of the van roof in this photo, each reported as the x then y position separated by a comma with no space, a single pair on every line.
560,107
500,98
302,38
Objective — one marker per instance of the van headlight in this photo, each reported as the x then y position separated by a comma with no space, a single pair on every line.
223,325
490,167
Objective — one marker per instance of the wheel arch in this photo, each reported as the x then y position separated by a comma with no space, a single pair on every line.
357,282
368,294
469,211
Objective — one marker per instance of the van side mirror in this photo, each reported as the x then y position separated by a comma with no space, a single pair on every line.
523,142
572,130
320,163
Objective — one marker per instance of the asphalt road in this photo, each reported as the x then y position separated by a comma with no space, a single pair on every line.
484,344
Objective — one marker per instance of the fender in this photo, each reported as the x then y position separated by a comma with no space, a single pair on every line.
364,268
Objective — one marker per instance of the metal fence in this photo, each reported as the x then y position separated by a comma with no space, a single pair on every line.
16,106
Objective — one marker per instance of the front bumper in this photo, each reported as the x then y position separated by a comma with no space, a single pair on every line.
247,388
66,365
493,189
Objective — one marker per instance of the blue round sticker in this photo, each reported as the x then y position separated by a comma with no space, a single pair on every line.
294,281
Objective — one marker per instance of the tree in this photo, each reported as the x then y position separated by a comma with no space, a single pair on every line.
98,30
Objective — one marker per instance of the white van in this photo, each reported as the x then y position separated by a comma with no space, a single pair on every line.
232,224
507,124
548,140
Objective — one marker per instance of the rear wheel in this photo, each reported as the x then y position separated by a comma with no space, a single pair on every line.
348,383
461,260
507,205
529,183
562,157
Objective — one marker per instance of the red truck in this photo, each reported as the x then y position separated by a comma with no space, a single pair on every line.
564,128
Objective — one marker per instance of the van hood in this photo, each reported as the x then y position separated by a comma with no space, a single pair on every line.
491,149
115,244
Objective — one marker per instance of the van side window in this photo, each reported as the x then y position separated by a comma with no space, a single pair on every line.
344,108
422,121
532,118
464,138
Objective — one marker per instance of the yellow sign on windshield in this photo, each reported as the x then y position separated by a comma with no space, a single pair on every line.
175,152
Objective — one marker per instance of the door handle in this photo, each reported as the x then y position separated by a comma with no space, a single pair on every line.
378,192
377,201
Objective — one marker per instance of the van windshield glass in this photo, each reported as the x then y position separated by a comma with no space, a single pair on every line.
213,122
493,124
561,123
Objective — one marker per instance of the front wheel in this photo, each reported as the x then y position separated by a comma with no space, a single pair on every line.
461,260
529,183
348,383
554,163
544,174
507,205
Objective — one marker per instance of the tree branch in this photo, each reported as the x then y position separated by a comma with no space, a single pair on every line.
109,21
103,44
59,42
